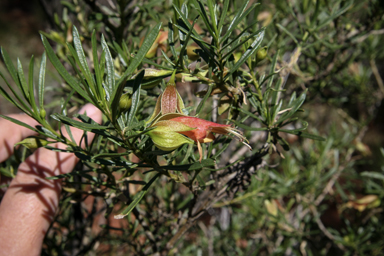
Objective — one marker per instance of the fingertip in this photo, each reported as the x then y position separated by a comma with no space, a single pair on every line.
91,111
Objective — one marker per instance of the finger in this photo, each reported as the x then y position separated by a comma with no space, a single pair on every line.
60,162
12,133
31,201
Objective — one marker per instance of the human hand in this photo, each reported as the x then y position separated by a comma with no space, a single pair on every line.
31,201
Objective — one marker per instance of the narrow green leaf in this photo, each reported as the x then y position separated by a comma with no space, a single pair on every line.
171,40
68,175
203,14
191,167
249,52
135,97
23,82
88,158
202,103
303,134
138,198
99,80
122,55
198,40
19,123
148,42
75,61
82,59
11,68
288,33
83,126
41,83
240,35
295,105
115,99
375,175
240,15
272,69
110,72
21,104
186,28
6,96
237,46
248,128
185,20
62,71
234,22
147,61
167,59
102,155
223,16
339,12
184,45
31,88
250,114
69,131
212,13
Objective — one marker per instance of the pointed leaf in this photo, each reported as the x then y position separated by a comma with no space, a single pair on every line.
223,16
21,104
11,68
23,82
249,52
41,83
135,97
83,126
82,59
303,134
62,71
191,167
203,14
31,88
137,199
148,42
110,71
295,105
19,123
96,65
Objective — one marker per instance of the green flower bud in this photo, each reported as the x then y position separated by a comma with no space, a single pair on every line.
155,73
261,53
152,77
125,102
192,55
43,113
271,207
33,143
237,56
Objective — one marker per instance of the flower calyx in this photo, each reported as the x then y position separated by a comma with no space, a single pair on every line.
168,102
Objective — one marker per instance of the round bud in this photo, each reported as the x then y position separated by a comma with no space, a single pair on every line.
261,53
43,113
125,102
192,55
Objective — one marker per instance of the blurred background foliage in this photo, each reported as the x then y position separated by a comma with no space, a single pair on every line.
318,198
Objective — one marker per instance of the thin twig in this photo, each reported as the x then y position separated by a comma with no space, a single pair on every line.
323,228
376,73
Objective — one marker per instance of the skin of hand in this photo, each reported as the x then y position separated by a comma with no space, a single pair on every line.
31,201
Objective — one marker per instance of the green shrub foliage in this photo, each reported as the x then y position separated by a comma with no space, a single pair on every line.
229,127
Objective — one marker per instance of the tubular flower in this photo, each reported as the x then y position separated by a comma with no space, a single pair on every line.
167,136
203,129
